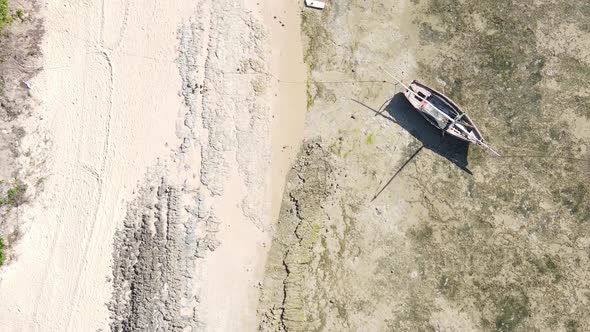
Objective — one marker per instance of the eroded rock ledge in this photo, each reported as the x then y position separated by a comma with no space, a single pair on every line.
308,185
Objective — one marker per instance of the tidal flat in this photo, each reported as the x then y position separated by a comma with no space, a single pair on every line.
456,239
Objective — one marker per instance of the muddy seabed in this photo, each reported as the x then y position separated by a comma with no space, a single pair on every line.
458,240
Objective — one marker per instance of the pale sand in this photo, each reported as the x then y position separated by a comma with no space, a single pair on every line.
109,94
110,99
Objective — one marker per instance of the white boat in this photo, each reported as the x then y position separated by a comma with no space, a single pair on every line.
443,113
315,4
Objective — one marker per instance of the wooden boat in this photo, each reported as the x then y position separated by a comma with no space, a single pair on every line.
444,114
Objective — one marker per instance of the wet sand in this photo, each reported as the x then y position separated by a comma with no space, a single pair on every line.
289,100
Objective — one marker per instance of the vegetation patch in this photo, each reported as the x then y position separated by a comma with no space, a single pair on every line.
571,326
448,286
5,17
14,196
513,310
2,254
421,233
575,199
318,37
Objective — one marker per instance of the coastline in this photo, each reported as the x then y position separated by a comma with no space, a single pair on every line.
234,273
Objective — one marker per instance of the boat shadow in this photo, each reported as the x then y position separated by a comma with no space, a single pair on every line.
400,111
447,146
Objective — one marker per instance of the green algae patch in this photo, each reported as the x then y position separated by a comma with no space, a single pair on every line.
513,311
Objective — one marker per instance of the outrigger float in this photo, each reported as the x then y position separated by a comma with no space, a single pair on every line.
443,113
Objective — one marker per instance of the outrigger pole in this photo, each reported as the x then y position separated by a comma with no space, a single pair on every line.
453,121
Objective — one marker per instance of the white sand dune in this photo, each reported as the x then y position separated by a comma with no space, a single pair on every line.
110,96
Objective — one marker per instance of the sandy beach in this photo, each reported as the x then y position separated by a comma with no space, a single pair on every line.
248,165
110,105
167,146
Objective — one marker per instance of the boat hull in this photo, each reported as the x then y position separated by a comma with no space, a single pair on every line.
451,109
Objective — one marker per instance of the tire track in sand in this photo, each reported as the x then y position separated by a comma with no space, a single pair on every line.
106,163
58,233
106,159
98,175
110,117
